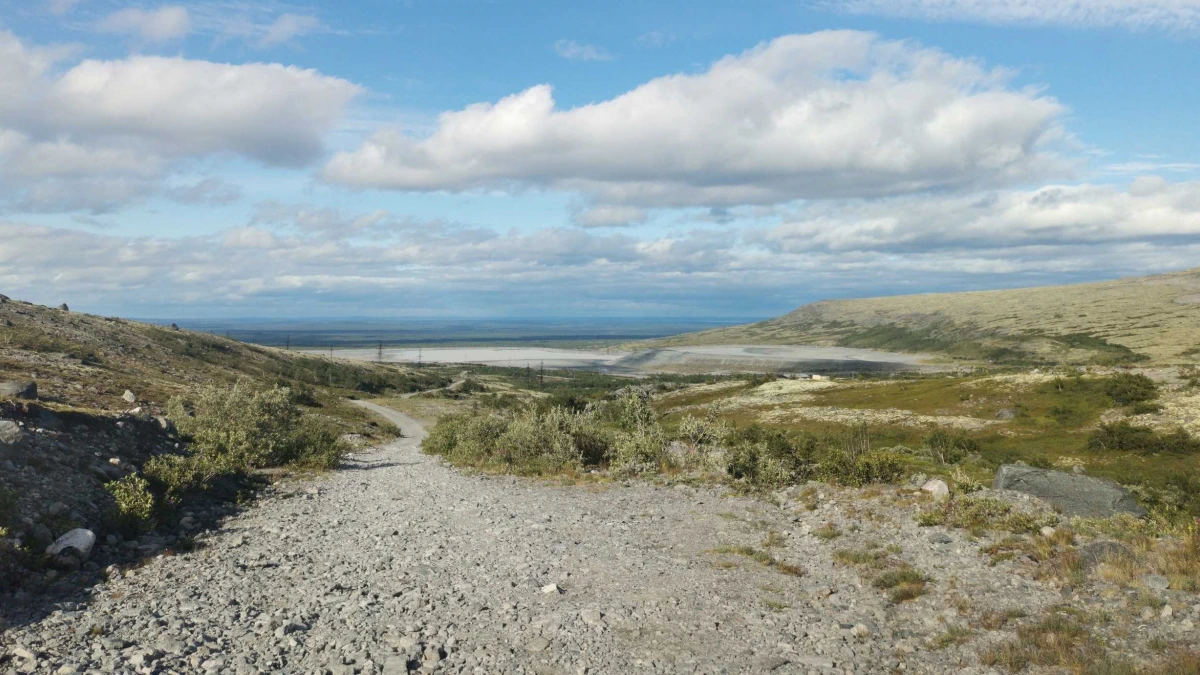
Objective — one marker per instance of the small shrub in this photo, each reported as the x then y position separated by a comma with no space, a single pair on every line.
134,503
986,513
873,466
964,483
1127,388
768,458
1145,408
250,428
949,448
640,451
1126,437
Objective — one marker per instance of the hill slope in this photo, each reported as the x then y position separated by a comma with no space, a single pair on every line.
88,361
1153,319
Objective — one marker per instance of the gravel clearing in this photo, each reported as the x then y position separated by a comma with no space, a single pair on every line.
399,563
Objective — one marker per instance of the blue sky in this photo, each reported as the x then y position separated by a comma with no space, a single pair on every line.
516,159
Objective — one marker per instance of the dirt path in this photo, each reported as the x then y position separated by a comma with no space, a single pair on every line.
398,563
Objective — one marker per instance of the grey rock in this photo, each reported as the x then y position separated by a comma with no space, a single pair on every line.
25,390
64,307
11,438
1006,414
1156,582
1073,495
77,543
129,396
1091,555
537,644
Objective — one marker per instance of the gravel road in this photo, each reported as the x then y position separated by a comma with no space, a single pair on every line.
400,563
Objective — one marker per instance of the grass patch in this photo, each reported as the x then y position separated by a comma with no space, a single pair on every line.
864,557
902,583
762,558
975,512
955,635
1060,639
827,532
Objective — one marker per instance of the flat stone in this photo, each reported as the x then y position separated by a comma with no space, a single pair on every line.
537,644
1156,582
1071,494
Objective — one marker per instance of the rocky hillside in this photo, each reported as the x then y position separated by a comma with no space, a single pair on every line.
82,404
1154,319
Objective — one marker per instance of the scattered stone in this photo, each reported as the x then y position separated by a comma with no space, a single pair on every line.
11,438
1006,414
549,589
1156,582
129,396
537,644
1091,555
64,307
1048,531
937,488
1073,495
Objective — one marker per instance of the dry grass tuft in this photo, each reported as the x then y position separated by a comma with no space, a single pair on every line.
762,558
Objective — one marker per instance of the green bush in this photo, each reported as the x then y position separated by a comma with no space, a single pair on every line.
174,476
528,441
949,448
640,451
241,428
1126,388
250,428
134,503
767,458
1145,408
1126,437
980,512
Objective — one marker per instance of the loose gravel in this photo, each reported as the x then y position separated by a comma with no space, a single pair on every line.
399,563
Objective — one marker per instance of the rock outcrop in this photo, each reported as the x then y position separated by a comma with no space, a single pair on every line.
1072,494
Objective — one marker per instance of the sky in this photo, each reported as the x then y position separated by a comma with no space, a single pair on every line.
494,159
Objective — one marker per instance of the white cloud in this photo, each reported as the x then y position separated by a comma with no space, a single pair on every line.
578,51
1059,215
346,262
287,27
833,114
1173,15
1152,167
160,25
73,134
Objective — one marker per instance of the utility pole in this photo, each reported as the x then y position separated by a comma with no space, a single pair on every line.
542,373
289,342
380,357
418,357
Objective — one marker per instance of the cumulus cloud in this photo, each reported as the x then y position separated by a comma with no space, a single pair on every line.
832,114
130,120
160,25
1134,14
578,51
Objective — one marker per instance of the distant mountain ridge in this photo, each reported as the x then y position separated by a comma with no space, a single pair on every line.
1153,320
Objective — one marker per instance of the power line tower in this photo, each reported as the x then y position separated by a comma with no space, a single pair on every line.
379,356
418,357
289,342
542,373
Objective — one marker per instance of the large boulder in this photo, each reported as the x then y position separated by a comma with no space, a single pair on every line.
26,390
1072,494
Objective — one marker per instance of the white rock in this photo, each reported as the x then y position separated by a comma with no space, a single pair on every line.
1048,531
129,396
937,488
80,539
551,588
